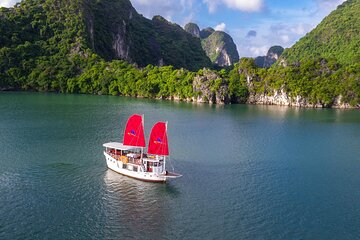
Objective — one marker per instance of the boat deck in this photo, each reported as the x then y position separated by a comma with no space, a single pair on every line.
135,161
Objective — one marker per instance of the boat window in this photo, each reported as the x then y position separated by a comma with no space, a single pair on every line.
124,166
135,169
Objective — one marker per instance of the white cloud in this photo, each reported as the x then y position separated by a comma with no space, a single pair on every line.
220,27
258,51
299,29
241,5
285,39
8,3
166,8
328,4
268,34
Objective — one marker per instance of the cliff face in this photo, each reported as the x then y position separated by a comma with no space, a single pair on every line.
281,98
117,31
211,88
220,48
108,26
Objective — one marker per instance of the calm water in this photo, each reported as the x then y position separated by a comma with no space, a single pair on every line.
250,172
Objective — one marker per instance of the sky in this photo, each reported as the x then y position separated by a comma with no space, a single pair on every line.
255,25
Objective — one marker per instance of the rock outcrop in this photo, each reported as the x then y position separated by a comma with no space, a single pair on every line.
210,88
282,98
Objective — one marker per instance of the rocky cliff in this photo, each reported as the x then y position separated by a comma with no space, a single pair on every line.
117,31
210,88
281,98
220,48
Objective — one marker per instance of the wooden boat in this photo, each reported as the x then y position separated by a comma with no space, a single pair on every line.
128,158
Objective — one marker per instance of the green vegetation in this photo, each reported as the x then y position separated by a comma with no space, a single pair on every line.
66,46
46,44
120,78
326,62
39,50
336,37
319,81
215,43
117,31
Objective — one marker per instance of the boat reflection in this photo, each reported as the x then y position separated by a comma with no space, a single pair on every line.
134,208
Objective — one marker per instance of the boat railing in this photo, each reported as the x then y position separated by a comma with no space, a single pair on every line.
125,159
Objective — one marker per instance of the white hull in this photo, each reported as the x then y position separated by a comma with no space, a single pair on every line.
135,171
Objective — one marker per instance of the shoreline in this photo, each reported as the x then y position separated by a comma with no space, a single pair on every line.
199,101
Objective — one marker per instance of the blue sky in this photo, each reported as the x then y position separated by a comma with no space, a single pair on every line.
255,25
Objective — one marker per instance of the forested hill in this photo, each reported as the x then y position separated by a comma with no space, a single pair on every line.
321,69
117,31
56,39
337,38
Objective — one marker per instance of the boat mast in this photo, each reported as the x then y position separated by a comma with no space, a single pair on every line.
165,156
142,148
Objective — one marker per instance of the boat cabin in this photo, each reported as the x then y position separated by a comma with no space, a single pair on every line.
123,153
154,163
133,159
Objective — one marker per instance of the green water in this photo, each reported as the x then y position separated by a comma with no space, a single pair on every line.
249,172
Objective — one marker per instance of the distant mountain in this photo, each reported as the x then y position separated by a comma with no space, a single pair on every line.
271,57
337,37
193,29
219,46
206,32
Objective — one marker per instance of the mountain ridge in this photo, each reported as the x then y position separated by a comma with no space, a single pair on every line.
271,57
218,45
339,29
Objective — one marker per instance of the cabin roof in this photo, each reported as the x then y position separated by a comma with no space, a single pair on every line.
119,146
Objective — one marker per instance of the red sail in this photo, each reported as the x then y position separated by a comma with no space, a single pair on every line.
134,132
158,143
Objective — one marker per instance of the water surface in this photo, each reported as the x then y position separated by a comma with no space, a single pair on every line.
250,172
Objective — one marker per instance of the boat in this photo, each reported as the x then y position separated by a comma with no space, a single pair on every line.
128,158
